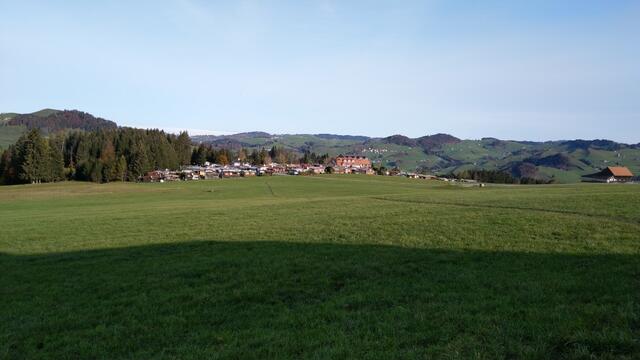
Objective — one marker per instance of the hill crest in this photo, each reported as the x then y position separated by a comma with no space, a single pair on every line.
562,160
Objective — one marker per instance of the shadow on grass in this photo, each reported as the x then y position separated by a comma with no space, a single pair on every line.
285,300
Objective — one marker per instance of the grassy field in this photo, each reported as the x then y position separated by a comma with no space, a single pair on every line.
319,267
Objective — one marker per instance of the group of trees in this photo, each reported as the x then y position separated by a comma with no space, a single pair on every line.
33,159
496,177
223,156
382,170
105,155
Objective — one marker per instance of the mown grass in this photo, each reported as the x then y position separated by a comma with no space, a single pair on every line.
319,267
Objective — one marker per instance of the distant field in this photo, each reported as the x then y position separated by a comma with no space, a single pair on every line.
319,267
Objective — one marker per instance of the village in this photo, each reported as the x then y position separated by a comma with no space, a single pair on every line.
342,164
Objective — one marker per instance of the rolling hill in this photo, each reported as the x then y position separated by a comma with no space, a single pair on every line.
562,161
12,125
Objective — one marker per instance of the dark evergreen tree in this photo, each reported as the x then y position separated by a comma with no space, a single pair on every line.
182,146
6,170
255,157
56,158
139,163
120,173
31,158
263,157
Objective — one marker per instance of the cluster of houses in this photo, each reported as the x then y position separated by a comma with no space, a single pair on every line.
343,164
215,171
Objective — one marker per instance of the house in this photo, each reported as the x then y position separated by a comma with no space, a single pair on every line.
611,174
352,164
190,175
342,170
295,171
229,172
315,168
211,174
363,171
427,177
353,161
276,169
171,175
153,176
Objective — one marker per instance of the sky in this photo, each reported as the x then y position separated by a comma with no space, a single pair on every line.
522,70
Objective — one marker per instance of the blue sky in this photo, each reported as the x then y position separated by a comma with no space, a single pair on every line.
534,70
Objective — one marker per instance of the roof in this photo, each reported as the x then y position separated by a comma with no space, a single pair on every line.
620,171
351,156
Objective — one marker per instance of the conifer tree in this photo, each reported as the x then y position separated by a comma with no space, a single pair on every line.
121,169
108,161
56,159
139,162
182,146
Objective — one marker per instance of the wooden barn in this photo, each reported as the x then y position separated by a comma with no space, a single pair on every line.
611,174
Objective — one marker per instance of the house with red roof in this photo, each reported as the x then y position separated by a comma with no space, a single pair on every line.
611,174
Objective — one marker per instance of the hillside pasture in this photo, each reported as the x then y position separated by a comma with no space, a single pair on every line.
10,134
319,267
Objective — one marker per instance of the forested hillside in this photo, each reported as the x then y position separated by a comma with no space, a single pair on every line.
12,125
54,120
119,154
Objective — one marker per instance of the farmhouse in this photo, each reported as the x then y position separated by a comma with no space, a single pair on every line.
611,174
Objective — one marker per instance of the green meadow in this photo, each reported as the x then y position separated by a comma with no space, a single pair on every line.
321,267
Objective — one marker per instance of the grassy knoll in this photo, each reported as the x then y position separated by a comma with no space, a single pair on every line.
319,267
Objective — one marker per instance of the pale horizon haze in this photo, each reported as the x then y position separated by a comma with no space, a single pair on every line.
543,70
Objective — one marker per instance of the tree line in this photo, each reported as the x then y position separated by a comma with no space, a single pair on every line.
496,177
120,154
220,155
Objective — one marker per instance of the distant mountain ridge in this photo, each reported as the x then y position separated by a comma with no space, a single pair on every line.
562,161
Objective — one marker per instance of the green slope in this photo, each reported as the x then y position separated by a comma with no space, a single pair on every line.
9,135
4,117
